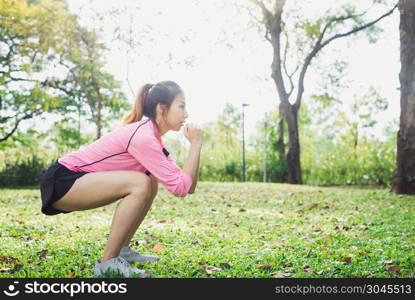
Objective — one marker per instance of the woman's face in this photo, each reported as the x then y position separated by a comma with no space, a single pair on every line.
177,114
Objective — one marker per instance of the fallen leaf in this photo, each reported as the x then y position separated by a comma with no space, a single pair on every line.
265,267
162,221
316,228
347,259
8,259
242,209
396,269
158,248
327,239
202,263
211,269
319,272
314,205
71,275
281,275
388,262
5,270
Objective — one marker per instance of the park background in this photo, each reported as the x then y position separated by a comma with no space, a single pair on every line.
70,70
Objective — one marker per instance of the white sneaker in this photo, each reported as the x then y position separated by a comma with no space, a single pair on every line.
118,265
132,256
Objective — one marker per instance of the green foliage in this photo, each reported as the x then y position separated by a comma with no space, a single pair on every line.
22,172
371,162
38,36
29,33
66,138
221,154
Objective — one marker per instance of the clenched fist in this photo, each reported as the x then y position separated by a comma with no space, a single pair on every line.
193,133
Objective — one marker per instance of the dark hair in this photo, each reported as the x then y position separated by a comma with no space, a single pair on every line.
149,95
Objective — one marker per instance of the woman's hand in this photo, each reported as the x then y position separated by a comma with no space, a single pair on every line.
193,133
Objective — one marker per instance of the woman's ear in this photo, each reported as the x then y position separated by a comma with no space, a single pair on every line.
161,109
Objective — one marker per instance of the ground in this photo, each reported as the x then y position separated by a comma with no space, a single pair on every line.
238,230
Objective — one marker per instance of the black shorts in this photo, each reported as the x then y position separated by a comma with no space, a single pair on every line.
55,182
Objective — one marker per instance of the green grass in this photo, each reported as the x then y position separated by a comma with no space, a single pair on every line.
247,230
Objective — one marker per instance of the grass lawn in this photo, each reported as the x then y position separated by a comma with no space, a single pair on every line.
224,230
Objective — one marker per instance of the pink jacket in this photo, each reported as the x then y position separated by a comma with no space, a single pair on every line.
136,147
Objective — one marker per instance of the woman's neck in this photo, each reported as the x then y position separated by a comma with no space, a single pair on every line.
160,129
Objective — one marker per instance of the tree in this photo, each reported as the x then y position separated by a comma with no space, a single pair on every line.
37,38
87,80
404,182
28,34
316,35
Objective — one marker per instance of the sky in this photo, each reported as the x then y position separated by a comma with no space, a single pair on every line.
230,59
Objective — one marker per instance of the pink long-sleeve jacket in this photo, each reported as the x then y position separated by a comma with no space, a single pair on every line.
137,147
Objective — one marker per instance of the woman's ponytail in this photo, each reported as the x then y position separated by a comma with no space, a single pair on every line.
149,95
137,111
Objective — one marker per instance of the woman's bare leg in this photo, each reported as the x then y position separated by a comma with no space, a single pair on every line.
125,218
153,193
98,189
101,188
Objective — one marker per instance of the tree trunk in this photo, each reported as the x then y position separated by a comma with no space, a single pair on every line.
293,155
280,142
273,23
404,182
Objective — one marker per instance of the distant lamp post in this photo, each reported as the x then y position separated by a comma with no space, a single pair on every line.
243,142
266,146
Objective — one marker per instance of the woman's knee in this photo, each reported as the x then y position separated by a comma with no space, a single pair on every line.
141,185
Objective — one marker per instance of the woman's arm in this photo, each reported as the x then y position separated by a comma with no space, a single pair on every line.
191,166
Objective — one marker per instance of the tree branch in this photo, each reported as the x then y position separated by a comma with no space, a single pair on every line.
356,29
318,46
26,116
285,68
